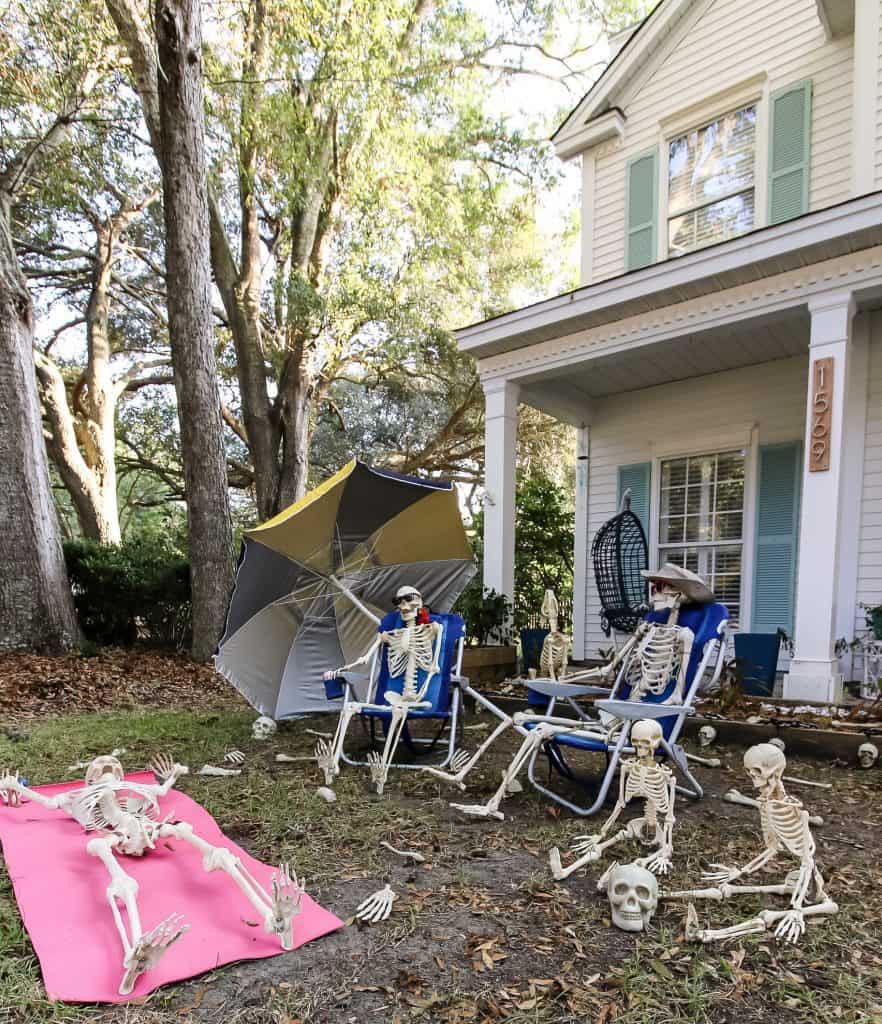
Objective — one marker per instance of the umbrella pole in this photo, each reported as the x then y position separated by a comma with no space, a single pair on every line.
358,604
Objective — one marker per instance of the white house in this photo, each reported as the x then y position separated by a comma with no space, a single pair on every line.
723,354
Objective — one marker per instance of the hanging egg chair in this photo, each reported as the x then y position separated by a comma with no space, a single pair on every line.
619,551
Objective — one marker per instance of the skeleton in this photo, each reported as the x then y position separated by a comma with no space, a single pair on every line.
556,646
785,827
641,778
263,728
632,892
655,653
122,817
706,736
411,649
868,755
732,796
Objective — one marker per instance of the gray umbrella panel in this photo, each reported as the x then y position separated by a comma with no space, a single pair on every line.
288,626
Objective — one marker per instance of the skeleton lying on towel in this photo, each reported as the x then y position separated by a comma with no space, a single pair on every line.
124,816
656,654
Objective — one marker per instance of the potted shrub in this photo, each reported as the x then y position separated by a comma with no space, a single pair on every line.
490,655
873,615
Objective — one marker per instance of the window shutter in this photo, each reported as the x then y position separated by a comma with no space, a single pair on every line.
636,478
789,152
641,203
777,526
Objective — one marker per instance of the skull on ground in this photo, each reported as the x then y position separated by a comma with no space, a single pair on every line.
632,891
706,735
868,755
263,728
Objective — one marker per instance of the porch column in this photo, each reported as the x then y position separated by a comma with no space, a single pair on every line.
825,517
500,460
580,553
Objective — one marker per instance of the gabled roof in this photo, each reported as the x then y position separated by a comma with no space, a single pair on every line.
589,123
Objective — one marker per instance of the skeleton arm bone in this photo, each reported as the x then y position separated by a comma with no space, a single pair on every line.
726,874
362,660
688,637
11,784
660,861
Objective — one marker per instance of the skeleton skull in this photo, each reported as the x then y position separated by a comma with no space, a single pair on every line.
633,895
868,754
706,735
765,764
775,741
263,728
664,597
645,737
107,764
408,601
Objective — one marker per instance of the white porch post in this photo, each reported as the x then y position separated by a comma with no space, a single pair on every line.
500,461
824,518
580,553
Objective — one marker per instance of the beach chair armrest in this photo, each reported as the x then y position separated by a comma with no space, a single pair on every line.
460,681
550,688
634,710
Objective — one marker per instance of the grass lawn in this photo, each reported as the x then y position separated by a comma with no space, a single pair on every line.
480,932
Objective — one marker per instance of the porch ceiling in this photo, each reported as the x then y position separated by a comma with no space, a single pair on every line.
562,392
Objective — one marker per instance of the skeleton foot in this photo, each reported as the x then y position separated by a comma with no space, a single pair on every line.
149,950
458,768
659,863
378,906
560,872
286,905
379,771
479,811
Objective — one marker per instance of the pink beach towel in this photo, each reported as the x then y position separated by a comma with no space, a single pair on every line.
60,891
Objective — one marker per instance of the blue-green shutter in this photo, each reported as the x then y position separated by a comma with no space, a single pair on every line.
641,206
789,152
637,479
777,530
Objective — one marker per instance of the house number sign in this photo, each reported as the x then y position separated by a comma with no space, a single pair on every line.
821,413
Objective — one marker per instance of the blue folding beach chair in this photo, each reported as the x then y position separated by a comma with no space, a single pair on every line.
708,624
443,695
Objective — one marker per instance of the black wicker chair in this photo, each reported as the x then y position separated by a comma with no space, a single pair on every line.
619,551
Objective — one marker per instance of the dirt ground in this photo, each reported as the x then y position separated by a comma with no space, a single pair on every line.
480,931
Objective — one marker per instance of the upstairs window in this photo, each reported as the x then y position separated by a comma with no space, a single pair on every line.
711,182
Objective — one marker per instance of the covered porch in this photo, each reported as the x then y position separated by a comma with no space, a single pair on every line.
737,392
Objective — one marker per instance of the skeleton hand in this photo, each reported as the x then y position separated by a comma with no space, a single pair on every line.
375,764
286,905
723,874
378,906
325,760
791,926
659,863
164,768
332,673
10,788
586,845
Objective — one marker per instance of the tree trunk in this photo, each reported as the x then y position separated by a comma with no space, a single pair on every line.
185,201
36,607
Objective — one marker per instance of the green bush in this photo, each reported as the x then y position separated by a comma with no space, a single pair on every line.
137,592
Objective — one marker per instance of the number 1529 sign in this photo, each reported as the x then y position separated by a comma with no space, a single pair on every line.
821,413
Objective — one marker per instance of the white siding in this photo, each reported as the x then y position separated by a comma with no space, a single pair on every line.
733,41
869,585
771,395
879,105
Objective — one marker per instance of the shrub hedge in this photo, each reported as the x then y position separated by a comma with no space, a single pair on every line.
136,592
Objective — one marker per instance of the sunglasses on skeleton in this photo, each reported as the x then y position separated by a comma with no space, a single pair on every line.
413,596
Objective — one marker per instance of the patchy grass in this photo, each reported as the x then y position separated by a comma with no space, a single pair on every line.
480,933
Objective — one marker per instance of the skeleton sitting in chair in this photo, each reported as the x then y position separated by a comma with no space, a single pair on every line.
657,653
413,649
785,827
123,816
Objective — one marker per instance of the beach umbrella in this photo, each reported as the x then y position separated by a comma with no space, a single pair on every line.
314,581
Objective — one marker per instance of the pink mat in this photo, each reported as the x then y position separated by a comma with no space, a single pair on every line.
61,895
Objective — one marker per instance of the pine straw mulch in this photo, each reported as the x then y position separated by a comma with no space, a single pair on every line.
35,686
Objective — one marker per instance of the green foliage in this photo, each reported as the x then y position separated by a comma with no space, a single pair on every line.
138,591
487,614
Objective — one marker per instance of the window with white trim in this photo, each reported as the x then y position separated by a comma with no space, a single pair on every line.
711,193
701,520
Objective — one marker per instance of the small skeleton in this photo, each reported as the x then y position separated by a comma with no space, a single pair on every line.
785,827
656,653
640,778
411,649
556,646
123,818
263,727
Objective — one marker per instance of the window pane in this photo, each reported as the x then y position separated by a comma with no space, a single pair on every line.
726,219
711,162
727,526
673,473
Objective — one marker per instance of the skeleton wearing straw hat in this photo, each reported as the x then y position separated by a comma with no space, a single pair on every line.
657,652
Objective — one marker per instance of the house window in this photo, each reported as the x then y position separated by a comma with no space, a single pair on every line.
701,521
711,182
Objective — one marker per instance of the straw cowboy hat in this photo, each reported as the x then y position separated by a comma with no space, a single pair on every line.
690,584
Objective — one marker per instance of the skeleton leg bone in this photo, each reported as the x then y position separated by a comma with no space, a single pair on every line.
277,911
593,853
330,763
141,951
789,923
463,768
379,765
